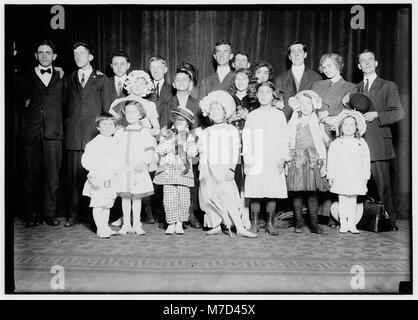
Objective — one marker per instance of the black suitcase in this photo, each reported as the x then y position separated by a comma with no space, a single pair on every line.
375,218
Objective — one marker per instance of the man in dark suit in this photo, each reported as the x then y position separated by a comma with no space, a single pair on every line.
298,77
388,110
41,131
163,90
222,79
119,62
85,101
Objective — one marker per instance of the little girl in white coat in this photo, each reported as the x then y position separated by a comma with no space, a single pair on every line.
100,159
349,166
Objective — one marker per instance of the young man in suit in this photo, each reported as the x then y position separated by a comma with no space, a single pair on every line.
41,131
388,110
222,79
163,90
85,101
298,77
119,62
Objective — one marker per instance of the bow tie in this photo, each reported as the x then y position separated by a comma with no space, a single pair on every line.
45,70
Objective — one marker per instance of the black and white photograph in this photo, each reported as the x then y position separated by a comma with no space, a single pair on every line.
208,148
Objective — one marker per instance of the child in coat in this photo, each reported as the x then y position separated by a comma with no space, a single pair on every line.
100,159
136,148
349,167
306,169
219,153
175,170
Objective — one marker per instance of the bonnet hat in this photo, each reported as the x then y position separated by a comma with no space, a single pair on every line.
135,75
185,113
361,102
316,100
223,98
361,124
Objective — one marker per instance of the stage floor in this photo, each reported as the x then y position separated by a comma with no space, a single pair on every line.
196,263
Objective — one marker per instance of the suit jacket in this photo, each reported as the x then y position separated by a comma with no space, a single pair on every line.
166,93
84,104
209,84
110,94
286,82
172,105
385,97
44,112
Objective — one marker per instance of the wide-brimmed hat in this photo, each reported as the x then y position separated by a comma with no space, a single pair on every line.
361,102
138,74
316,100
361,123
223,98
185,113
118,106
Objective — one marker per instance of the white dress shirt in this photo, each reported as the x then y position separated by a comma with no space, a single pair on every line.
122,80
46,77
161,82
222,71
371,78
297,72
87,74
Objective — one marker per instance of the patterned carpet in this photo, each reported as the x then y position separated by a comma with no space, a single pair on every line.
196,263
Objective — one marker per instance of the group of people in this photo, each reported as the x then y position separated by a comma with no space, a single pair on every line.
210,152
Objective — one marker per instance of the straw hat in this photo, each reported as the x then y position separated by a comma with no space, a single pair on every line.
361,124
223,98
185,113
361,102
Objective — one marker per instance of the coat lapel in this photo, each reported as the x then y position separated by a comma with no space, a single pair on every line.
290,82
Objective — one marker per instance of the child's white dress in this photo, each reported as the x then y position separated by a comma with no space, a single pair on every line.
349,166
100,159
133,143
265,143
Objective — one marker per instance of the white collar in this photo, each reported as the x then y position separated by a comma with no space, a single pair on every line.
161,82
43,68
86,71
223,69
371,77
300,68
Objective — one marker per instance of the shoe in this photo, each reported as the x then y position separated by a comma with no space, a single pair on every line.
50,221
353,230
70,223
171,229
214,231
117,223
394,227
112,232
162,225
316,229
254,224
149,219
103,235
343,229
247,234
179,228
332,223
194,222
298,229
32,223
272,230
185,225
138,230
125,229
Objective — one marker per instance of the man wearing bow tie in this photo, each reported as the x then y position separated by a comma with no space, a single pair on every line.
85,101
41,132
386,112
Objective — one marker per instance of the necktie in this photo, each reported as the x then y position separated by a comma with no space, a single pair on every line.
119,87
366,86
157,90
45,70
83,81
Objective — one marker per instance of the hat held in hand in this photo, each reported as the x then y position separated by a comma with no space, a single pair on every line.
361,102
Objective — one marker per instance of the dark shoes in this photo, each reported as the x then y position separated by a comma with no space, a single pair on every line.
32,223
50,221
394,227
318,230
70,223
332,223
194,222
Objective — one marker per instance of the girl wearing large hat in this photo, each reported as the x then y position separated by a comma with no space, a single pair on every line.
175,171
349,167
219,152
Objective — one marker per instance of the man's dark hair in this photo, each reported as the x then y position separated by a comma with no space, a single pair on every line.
48,43
242,53
104,116
296,42
83,44
221,42
367,51
119,53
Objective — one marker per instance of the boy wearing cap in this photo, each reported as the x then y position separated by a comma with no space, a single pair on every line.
388,110
41,131
85,102
175,171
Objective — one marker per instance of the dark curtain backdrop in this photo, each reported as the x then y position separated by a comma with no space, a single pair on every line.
188,33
